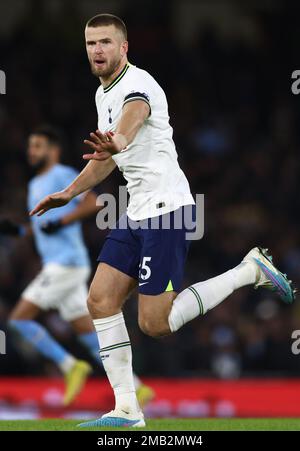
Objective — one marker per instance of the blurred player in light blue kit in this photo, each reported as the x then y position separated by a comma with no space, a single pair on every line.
62,282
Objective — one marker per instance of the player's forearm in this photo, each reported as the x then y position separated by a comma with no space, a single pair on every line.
93,173
87,207
131,121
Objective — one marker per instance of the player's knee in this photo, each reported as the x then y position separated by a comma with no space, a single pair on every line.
99,305
96,304
151,327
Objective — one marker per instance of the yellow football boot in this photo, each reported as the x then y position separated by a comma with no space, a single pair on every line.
75,380
144,395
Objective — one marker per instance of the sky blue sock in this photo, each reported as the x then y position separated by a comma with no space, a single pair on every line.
90,341
40,339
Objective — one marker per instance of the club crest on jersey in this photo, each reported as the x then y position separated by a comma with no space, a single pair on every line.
109,114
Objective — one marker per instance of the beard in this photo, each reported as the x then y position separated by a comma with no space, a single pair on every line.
108,71
39,165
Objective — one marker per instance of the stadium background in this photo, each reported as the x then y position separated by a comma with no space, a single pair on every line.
226,68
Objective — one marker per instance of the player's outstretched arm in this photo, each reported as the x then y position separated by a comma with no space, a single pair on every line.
51,201
88,206
106,144
93,173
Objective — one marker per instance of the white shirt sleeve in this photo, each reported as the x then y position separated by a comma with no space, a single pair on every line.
138,88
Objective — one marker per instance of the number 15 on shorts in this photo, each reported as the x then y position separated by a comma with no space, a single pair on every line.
145,271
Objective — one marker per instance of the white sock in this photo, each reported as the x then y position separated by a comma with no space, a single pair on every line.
137,381
116,356
67,364
203,296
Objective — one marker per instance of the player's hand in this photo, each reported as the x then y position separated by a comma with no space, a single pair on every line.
50,227
52,201
104,145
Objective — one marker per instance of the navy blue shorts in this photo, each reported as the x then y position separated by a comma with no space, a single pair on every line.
152,251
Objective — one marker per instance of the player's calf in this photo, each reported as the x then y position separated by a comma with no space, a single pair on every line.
154,312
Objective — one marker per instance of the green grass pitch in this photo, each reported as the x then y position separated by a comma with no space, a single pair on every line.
236,424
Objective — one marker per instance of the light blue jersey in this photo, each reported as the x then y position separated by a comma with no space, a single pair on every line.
66,246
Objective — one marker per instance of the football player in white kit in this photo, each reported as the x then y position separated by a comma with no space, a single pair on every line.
136,136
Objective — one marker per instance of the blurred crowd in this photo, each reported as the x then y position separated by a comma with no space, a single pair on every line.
235,127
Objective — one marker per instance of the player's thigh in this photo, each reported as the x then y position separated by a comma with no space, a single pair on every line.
109,290
154,311
24,310
163,257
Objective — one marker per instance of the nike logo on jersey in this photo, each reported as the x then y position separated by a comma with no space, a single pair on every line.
140,284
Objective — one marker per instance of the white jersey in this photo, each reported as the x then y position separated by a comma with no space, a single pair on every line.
155,182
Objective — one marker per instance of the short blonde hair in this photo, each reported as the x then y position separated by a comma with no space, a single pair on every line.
108,19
